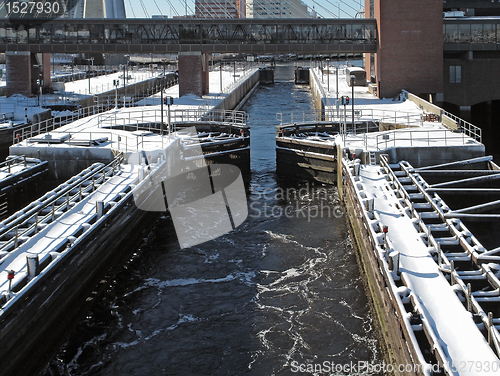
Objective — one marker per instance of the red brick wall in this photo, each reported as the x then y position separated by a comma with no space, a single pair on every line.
46,70
193,74
475,86
410,54
18,73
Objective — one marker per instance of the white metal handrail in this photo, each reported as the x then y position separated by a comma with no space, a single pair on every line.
33,215
53,123
471,302
414,136
331,114
139,117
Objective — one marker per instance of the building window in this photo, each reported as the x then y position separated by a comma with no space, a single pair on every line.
455,74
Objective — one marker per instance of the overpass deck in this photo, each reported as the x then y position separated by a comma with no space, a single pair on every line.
177,35
226,35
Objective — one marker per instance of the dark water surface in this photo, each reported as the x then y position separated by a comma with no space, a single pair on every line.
284,287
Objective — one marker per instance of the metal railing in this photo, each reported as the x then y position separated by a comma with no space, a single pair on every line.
384,118
381,249
43,211
13,161
465,127
131,82
141,118
53,123
469,246
416,137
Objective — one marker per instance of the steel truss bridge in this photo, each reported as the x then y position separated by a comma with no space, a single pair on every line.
222,36
182,35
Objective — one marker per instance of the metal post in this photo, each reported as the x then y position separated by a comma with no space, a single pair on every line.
220,68
328,78
161,98
469,297
490,324
345,121
116,94
124,86
337,79
353,78
168,109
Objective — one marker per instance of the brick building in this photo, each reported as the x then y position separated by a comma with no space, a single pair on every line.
410,54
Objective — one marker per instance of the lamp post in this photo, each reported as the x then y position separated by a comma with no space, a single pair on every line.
89,73
161,106
328,78
39,83
126,66
124,84
116,83
353,79
170,101
337,79
322,72
220,70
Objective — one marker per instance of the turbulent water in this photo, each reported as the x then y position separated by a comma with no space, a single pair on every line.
281,292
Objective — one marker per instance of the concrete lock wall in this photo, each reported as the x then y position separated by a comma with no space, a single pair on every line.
317,91
236,98
430,155
64,161
129,91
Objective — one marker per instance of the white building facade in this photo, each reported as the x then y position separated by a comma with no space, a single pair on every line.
219,8
277,9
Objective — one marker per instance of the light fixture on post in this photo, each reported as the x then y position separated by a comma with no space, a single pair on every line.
116,83
161,109
39,83
126,66
90,71
124,84
353,80
328,78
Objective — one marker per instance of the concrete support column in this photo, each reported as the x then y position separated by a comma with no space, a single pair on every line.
193,73
18,64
